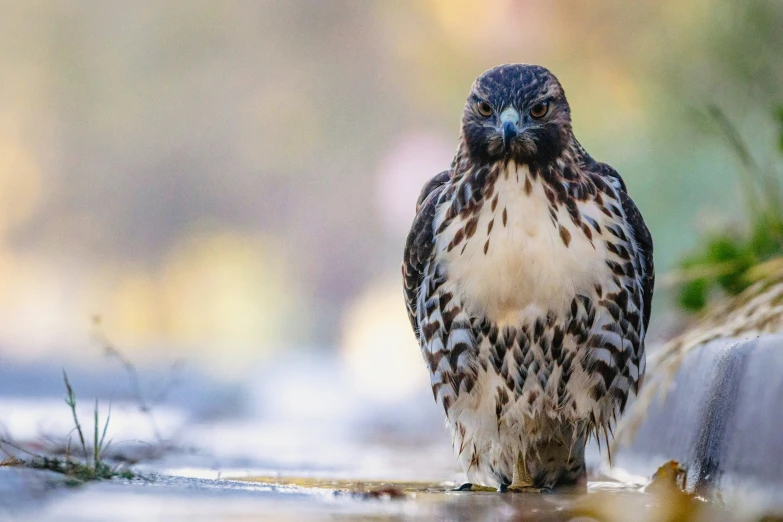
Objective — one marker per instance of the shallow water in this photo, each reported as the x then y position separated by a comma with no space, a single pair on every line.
605,500
344,458
274,498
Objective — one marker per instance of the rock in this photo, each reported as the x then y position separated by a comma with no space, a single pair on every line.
719,412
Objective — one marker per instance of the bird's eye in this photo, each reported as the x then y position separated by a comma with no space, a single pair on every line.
484,109
539,110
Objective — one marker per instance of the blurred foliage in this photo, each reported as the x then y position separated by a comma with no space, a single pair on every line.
725,258
224,181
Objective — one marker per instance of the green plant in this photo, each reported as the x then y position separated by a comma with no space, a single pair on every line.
92,468
99,468
725,258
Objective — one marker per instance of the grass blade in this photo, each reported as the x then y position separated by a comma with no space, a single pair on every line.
105,428
70,400
95,447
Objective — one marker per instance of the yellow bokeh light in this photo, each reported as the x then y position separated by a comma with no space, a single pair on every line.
135,309
216,293
20,184
378,345
223,288
458,18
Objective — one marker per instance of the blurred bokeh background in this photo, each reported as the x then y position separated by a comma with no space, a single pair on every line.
229,184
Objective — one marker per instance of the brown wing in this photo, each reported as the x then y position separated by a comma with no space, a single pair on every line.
644,253
644,244
420,243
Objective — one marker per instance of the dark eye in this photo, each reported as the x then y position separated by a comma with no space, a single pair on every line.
539,110
484,109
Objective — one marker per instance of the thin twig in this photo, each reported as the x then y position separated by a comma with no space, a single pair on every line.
683,275
144,405
761,191
16,447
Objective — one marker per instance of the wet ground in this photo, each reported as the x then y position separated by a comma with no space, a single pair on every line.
253,451
270,498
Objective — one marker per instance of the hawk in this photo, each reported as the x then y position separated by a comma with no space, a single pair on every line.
528,277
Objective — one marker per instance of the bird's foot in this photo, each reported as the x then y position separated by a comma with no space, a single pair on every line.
522,487
467,486
522,482
525,488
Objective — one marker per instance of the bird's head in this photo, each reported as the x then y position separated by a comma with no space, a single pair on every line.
516,112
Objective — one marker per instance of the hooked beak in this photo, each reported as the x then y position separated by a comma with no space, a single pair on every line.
509,119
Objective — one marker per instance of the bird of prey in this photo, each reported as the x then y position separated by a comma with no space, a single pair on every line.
528,277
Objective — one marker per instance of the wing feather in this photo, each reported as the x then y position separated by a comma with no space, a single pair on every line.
644,253
420,243
642,237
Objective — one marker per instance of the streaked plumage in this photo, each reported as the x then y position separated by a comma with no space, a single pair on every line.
528,277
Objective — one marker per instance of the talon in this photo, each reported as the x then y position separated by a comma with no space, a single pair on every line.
525,489
503,488
522,482
467,486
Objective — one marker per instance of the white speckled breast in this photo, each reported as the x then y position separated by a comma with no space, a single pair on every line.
517,262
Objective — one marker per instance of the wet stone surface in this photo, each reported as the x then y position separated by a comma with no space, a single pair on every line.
718,411
365,461
265,498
